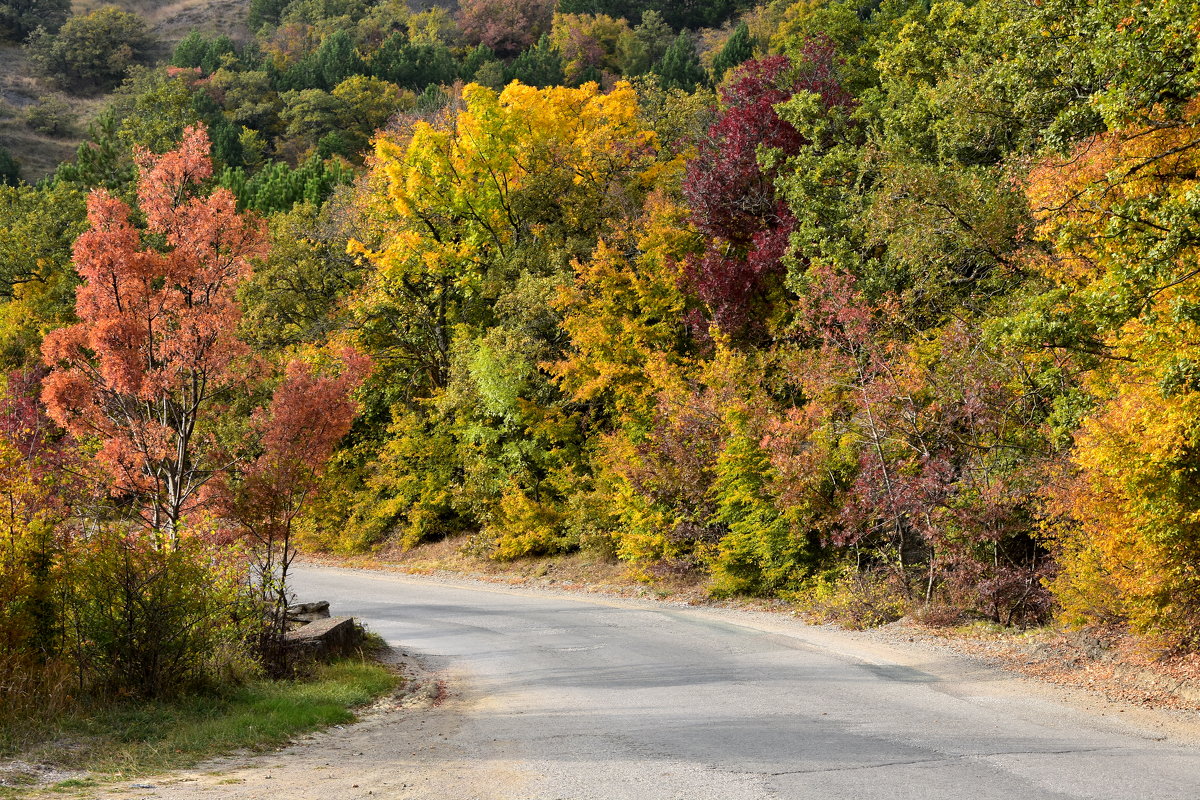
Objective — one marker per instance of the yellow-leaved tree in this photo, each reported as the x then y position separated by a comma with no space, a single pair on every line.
1120,214
479,217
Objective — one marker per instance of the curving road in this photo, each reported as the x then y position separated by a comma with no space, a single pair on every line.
569,697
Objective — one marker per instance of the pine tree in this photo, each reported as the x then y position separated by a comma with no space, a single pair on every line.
413,65
335,60
738,50
680,66
540,66
265,12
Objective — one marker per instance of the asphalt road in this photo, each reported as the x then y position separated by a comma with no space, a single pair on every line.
565,697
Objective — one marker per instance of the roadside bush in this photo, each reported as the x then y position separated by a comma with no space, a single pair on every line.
521,526
856,600
147,621
91,53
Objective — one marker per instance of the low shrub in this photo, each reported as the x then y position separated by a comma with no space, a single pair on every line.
51,117
856,600
151,621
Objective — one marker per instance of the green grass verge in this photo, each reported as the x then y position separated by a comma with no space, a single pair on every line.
128,738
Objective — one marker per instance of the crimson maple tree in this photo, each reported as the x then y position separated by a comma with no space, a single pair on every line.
733,201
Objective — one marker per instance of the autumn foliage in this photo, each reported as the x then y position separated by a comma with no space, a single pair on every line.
1128,508
879,311
507,26
150,473
733,202
156,347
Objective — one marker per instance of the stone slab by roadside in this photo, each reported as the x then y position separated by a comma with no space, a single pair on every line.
331,636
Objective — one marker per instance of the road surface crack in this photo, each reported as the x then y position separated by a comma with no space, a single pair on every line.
964,756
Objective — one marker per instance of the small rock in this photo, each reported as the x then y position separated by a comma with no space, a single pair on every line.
305,613
326,637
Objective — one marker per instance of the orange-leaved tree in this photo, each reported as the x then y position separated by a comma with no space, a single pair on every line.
1120,216
154,375
295,434
155,349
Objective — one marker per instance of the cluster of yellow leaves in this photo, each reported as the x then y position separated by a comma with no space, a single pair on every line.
1119,215
624,313
469,190
473,220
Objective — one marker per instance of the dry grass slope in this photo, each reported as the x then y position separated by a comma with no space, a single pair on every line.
21,88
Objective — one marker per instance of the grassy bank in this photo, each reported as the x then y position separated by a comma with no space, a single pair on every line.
124,739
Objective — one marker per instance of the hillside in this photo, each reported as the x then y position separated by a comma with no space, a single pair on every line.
22,89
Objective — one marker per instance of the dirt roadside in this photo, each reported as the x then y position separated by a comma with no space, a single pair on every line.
407,745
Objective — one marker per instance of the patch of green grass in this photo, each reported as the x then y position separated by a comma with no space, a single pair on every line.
130,738
74,783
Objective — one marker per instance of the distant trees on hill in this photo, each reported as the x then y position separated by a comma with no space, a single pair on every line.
91,53
19,18
677,13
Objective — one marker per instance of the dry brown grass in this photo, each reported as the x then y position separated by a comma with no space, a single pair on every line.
29,688
171,21
20,89
174,21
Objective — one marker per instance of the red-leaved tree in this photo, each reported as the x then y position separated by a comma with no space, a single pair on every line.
732,200
295,435
155,351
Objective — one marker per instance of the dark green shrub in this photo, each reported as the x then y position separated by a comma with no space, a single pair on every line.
91,53
19,18
10,168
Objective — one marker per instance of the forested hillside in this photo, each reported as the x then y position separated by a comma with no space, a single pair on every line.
885,307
